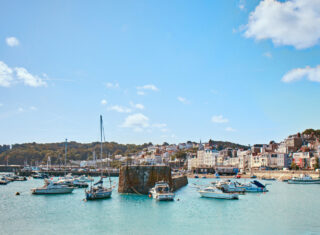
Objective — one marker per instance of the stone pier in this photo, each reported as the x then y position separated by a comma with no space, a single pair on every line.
140,179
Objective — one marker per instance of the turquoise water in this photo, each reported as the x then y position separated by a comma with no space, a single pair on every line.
286,209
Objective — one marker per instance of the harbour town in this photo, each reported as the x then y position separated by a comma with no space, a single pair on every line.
159,117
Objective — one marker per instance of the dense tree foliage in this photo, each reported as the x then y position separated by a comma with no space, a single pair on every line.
33,152
310,131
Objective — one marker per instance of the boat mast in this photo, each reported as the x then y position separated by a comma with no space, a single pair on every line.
101,143
65,156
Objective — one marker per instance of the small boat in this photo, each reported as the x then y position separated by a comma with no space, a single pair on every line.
3,180
51,187
70,181
196,176
255,187
85,179
40,175
204,177
80,183
213,192
270,179
217,175
98,192
161,192
228,186
303,179
253,176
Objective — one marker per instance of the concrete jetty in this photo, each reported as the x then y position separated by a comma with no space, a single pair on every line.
140,179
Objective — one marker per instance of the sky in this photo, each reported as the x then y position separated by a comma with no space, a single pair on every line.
158,71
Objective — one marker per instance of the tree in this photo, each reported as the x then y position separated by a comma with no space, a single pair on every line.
181,155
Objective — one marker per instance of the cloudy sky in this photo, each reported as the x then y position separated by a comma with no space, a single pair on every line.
237,70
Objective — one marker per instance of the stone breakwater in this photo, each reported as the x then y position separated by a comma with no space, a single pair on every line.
140,179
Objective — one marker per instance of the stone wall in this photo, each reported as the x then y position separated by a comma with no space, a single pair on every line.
284,175
140,179
179,181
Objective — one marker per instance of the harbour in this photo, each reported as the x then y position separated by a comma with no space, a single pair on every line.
287,207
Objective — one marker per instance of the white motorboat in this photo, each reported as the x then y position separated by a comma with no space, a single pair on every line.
51,187
80,183
161,192
228,186
303,179
212,192
73,182
83,178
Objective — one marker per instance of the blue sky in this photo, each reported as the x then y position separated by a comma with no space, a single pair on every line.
242,71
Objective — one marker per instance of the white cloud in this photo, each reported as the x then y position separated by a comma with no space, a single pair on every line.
267,54
1,104
119,109
140,93
12,41
137,122
29,79
137,106
10,76
183,100
148,87
295,23
33,108
112,85
20,110
241,6
104,102
230,129
311,74
219,119
6,75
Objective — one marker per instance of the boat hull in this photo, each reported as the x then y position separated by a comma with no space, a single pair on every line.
219,195
98,195
163,197
40,191
304,181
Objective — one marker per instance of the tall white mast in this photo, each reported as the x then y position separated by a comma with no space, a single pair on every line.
101,124
65,156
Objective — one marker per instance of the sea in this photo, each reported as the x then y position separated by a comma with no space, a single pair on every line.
285,209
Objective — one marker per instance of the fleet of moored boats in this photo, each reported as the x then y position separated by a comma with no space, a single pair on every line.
220,189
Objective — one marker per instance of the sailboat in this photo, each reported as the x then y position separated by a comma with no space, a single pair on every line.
98,191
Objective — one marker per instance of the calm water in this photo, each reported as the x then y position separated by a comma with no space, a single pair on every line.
286,209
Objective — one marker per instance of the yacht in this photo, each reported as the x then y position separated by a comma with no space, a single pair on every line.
228,186
51,187
161,192
70,181
99,192
303,179
213,192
